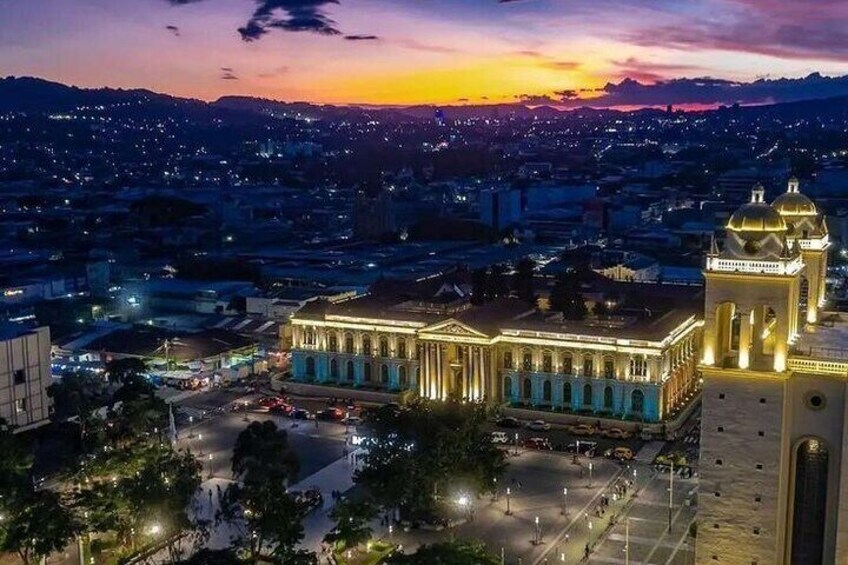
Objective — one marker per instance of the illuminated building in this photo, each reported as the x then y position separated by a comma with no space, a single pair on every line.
775,393
24,376
638,364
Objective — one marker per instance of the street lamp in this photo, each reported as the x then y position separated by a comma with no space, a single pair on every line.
538,531
591,467
564,501
508,511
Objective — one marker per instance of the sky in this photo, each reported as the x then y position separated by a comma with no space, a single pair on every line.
402,52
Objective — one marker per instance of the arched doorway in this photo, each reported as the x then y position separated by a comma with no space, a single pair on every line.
637,401
334,369
384,374
507,388
310,367
402,380
566,393
587,395
349,371
608,397
810,502
546,391
366,372
527,389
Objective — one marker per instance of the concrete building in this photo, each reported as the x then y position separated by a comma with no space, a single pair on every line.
773,486
500,208
24,376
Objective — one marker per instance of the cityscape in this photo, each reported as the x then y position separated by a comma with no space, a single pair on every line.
363,282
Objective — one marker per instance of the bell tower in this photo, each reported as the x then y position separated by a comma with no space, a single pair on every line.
752,288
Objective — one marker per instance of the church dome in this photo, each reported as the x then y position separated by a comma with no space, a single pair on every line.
793,203
756,219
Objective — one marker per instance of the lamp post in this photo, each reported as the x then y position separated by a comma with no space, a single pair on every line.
508,510
564,501
516,443
537,539
591,467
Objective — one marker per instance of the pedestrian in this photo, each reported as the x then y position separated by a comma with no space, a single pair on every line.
586,552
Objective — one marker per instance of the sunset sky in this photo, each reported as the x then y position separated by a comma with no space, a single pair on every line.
416,51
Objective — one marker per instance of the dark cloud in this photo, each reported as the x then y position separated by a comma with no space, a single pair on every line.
536,99
361,37
566,94
173,29
289,15
713,91
227,73
647,71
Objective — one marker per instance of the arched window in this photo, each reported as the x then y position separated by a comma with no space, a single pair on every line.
637,401
366,372
638,365
309,337
609,368
384,374
547,362
546,391
348,343
507,359
528,389
568,364
401,348
608,397
310,367
588,366
587,394
527,361
334,369
366,345
507,388
810,506
384,347
333,343
349,371
402,381
566,393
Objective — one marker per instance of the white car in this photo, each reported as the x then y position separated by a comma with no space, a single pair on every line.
499,438
538,426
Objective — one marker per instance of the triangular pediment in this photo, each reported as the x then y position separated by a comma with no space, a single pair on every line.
452,327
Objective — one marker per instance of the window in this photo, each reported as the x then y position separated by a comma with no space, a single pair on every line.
366,345
366,372
546,391
333,343
761,433
402,349
507,359
309,337
547,362
762,401
566,393
334,369
721,396
348,343
568,364
718,494
756,531
528,388
608,397
720,429
20,377
609,368
20,405
588,367
310,367
718,462
638,366
759,466
637,401
810,497
587,395
349,371
527,361
758,498
384,347
384,374
715,526
402,377
507,388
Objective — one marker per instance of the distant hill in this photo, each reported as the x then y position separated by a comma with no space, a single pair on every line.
34,95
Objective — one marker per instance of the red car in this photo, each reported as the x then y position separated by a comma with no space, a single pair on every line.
540,443
281,408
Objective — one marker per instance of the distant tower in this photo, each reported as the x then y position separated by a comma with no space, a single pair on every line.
807,228
440,117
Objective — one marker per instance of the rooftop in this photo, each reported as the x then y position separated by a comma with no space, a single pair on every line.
827,340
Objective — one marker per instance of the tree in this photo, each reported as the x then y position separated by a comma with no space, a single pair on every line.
269,518
78,396
447,553
498,286
119,371
523,280
566,296
35,524
480,288
352,523
600,309
430,449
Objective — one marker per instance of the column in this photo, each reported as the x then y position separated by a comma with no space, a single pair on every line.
481,373
744,340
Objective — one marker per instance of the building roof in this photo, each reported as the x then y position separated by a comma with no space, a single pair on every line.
141,341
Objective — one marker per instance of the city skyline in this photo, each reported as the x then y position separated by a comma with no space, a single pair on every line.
441,52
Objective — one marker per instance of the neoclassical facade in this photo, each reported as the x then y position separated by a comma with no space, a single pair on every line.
637,365
773,476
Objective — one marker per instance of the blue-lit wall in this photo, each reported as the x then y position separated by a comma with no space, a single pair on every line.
622,402
351,370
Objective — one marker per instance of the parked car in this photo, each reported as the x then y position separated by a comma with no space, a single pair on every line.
616,433
283,408
302,414
540,443
331,415
508,422
499,438
270,401
619,453
582,430
538,426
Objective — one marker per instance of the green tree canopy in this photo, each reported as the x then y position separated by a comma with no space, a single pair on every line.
447,553
35,524
425,452
352,520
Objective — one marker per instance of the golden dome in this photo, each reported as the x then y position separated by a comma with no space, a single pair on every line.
756,218
794,204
